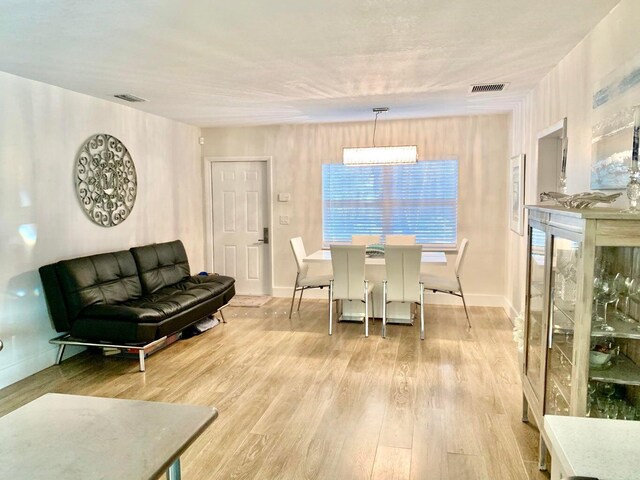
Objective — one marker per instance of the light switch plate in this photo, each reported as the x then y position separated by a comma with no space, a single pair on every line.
284,197
284,219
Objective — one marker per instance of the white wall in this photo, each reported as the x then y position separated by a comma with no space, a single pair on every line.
298,151
567,92
41,130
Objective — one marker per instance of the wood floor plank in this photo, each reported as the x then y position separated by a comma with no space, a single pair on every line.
391,463
295,403
469,467
428,452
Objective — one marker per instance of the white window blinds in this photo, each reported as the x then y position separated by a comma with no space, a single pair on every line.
420,199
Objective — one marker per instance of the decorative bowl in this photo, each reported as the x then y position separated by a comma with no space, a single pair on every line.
579,200
598,358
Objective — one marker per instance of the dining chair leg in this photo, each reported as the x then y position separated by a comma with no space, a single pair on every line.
384,309
464,303
330,307
293,297
366,308
300,301
421,311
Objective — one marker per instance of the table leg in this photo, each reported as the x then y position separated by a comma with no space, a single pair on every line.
173,473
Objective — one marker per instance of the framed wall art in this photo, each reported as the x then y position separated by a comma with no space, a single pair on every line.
615,99
516,194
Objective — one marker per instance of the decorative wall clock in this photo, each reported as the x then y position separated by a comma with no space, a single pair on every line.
105,179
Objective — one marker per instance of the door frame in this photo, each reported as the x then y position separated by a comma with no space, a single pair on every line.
208,201
544,161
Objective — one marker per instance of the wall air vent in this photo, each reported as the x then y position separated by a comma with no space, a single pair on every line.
487,87
127,97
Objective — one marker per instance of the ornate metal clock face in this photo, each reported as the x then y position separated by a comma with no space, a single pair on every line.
106,181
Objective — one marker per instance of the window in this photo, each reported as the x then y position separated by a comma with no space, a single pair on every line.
420,199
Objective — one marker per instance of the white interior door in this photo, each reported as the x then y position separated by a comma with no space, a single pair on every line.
240,223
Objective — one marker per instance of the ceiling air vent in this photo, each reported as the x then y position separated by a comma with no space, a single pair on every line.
127,97
487,87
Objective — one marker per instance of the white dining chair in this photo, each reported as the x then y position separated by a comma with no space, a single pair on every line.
402,283
447,284
400,240
304,281
365,239
348,281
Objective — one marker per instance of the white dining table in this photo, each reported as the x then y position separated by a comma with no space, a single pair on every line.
375,273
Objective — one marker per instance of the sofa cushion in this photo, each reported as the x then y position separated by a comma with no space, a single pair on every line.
161,264
152,316
105,279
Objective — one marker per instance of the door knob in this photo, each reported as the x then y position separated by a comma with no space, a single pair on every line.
1,345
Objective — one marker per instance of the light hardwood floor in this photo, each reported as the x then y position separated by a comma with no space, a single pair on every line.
295,403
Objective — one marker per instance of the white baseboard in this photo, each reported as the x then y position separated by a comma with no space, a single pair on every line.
474,300
27,367
511,311
312,293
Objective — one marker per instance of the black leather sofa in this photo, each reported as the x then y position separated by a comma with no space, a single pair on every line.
132,298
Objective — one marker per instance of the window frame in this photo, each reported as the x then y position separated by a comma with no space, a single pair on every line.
425,247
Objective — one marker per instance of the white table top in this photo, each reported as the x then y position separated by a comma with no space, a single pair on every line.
89,438
595,447
323,256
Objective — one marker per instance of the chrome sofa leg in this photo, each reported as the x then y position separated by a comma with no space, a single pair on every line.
141,358
60,353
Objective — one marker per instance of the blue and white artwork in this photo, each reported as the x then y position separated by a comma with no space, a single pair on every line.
615,98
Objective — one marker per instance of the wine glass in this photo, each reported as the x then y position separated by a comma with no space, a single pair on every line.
622,286
607,294
624,293
607,389
597,287
633,293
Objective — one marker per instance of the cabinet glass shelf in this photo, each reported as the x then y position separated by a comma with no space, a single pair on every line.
622,371
621,329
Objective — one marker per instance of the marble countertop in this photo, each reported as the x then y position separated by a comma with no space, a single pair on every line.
595,447
91,438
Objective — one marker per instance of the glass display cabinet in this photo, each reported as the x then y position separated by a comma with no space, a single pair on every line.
582,314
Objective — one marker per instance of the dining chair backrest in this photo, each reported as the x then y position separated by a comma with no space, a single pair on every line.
402,264
365,239
461,252
348,271
400,240
297,245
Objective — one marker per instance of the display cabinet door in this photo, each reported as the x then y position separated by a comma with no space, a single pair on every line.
535,322
565,254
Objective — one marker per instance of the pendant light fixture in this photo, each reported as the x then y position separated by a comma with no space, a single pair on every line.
387,155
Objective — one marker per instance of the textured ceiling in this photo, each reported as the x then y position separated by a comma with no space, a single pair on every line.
248,62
